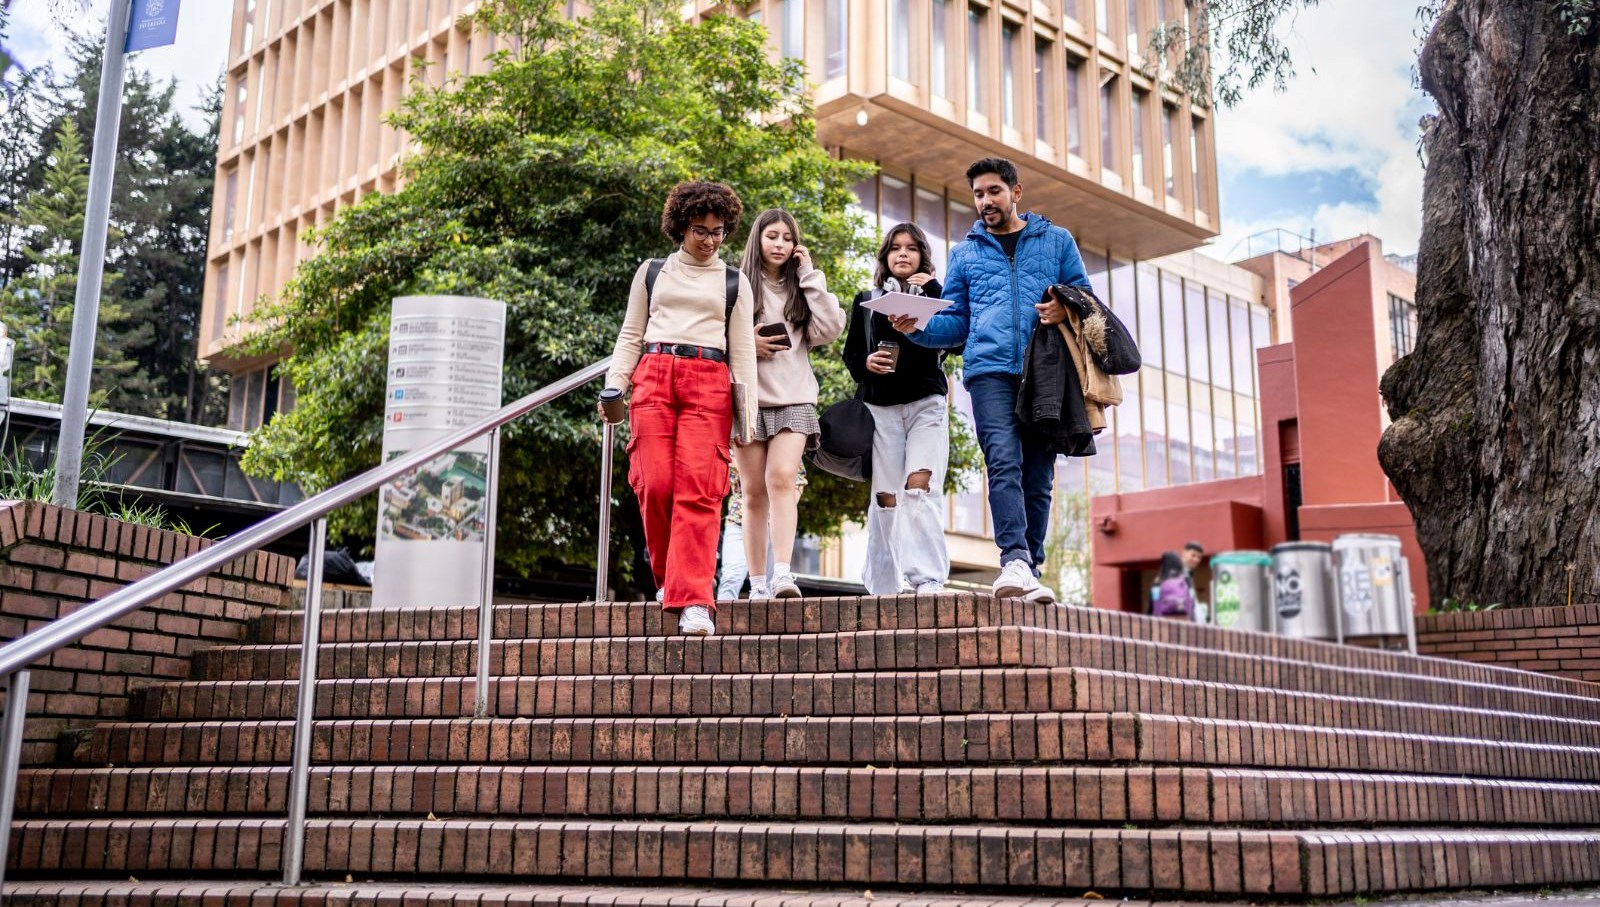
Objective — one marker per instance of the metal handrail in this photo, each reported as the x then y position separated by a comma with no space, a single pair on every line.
17,655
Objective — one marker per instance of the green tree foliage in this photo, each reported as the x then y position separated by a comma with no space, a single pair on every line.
37,307
540,183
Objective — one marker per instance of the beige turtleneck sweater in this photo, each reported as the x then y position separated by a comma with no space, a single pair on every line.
688,306
786,379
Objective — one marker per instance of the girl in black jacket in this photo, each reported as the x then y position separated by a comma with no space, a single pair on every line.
904,386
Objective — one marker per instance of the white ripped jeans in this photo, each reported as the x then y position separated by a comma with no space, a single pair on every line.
905,543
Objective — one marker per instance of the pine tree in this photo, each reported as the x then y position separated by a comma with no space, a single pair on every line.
38,305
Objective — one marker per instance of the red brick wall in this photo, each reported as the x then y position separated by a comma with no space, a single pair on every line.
1561,641
53,560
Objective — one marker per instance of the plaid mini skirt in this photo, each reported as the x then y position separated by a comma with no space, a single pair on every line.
800,418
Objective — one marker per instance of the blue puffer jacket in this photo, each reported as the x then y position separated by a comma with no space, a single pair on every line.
992,298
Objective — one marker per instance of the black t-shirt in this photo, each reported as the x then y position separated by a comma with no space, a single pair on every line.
917,373
1008,242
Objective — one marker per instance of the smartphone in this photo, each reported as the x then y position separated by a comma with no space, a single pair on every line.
776,330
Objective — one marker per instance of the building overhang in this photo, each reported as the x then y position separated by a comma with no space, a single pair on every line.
934,146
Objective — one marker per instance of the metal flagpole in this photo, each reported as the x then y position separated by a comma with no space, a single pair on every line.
92,258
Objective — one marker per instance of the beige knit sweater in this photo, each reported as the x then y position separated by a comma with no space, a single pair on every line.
786,379
687,306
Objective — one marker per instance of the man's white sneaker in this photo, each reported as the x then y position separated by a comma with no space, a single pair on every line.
696,621
931,587
1016,579
1041,595
783,586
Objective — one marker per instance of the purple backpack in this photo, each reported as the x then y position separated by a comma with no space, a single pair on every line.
1172,597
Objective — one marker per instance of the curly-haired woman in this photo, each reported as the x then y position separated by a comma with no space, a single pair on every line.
675,350
793,313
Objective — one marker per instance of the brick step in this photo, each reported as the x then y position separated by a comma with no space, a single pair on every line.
1055,794
954,691
907,612
930,740
874,650
1283,863
455,894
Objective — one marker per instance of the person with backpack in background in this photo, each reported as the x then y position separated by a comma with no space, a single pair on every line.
681,337
1172,594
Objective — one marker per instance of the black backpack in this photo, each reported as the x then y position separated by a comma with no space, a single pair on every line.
845,449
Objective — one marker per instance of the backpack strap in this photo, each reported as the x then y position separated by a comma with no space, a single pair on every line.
727,314
732,292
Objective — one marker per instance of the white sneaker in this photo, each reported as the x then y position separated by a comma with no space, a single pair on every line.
696,621
1016,579
783,586
661,595
931,587
760,594
1041,595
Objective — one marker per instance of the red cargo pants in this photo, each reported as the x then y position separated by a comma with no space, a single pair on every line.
681,415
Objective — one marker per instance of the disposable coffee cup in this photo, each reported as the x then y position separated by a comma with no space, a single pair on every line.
893,349
611,404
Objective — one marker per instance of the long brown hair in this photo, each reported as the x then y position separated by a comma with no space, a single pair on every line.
795,309
924,252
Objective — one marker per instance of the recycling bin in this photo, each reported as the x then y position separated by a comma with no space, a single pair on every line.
1304,603
1374,585
1241,590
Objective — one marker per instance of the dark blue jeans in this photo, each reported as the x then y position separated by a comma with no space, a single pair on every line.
1021,471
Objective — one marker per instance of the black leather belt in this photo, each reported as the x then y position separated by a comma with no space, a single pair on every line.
687,351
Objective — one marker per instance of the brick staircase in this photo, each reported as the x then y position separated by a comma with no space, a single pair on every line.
952,744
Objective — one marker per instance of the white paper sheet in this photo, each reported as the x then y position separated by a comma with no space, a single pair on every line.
897,304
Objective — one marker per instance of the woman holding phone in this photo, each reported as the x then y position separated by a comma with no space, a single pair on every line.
904,386
793,313
676,348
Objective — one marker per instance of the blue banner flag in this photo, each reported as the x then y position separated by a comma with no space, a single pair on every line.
154,24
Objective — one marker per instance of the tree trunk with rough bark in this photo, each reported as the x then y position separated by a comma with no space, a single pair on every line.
1495,441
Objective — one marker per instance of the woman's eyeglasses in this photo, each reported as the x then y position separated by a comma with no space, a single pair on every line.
702,234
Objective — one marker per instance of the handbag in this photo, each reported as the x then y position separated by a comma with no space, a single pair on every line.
1110,342
845,449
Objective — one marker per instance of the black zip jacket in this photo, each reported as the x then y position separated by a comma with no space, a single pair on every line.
917,374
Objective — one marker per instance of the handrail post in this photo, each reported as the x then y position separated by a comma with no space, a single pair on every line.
294,844
480,698
11,759
603,559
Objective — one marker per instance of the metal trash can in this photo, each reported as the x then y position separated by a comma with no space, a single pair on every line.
1374,585
1241,590
1303,600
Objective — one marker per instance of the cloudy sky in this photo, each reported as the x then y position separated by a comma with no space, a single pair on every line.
1336,153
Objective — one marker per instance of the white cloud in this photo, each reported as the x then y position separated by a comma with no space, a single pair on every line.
41,31
1351,108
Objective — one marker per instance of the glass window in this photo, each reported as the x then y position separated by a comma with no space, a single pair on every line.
975,67
1249,462
1008,75
1102,16
940,62
1151,387
1099,278
931,218
867,194
900,39
1103,465
1134,43
1200,426
1136,118
836,32
1108,132
896,200
1069,8
241,93
1149,330
1174,352
962,217
1130,454
1194,307
1221,369
1075,106
1226,444
1194,161
230,201
1402,326
1169,115
794,29
219,305
1243,352
1178,443
1042,100
1122,299
967,504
